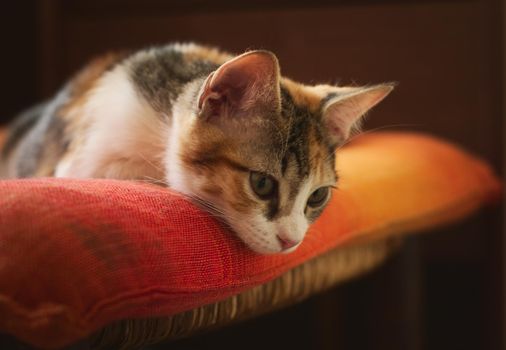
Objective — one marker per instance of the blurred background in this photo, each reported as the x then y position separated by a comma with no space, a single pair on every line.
444,289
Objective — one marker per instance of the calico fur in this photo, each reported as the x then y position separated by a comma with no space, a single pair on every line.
200,121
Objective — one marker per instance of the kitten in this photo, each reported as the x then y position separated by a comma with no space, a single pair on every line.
230,132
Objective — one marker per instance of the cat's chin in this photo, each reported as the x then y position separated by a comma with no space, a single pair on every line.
273,251
266,248
290,250
264,251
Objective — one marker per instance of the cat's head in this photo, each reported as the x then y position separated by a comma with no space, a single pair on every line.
259,149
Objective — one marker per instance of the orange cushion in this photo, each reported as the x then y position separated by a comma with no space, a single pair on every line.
78,254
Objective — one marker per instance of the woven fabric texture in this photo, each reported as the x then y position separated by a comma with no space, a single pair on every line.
76,255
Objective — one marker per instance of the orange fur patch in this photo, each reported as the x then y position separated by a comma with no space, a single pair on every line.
217,167
303,95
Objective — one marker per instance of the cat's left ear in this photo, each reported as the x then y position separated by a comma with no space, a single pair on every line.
342,113
242,86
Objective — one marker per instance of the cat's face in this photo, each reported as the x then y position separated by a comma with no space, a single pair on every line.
260,152
268,186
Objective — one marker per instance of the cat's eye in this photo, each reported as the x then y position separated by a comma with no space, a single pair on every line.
263,185
318,197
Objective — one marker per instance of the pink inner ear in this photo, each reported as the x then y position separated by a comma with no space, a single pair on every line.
242,83
341,116
233,83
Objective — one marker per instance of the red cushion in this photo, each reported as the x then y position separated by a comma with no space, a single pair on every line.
78,254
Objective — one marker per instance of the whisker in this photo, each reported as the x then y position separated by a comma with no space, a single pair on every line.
152,180
379,128
368,132
150,162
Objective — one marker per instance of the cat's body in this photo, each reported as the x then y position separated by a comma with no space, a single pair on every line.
230,132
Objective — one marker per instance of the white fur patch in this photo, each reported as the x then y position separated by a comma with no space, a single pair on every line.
123,136
261,234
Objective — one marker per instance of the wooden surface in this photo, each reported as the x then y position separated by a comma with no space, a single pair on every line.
444,290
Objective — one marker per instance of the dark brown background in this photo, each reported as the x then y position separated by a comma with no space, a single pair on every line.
444,290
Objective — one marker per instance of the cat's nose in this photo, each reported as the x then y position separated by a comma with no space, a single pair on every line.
286,243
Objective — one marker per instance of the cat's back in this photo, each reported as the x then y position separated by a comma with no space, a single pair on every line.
161,73
38,139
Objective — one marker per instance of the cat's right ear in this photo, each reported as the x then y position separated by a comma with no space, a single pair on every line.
342,113
242,86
